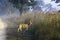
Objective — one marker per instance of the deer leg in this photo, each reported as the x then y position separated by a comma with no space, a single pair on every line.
26,27
20,28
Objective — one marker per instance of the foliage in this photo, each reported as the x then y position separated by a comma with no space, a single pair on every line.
21,4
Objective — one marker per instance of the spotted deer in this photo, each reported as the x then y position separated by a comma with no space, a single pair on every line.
21,26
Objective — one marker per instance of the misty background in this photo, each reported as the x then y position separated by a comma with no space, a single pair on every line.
7,11
42,5
11,15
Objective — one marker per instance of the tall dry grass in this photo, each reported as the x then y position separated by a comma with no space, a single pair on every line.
46,26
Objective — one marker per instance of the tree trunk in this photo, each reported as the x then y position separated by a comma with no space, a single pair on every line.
21,9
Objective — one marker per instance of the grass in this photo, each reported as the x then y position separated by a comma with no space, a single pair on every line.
46,26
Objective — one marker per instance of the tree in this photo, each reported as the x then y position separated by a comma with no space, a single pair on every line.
20,4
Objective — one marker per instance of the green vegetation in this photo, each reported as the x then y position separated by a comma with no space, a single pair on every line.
45,26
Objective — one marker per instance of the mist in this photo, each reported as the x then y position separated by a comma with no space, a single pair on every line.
11,16
6,12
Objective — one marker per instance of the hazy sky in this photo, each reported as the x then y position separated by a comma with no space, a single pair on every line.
53,3
5,7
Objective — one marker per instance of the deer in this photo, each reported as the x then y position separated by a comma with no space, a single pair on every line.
21,26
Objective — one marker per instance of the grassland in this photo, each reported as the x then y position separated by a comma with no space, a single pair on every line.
46,26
